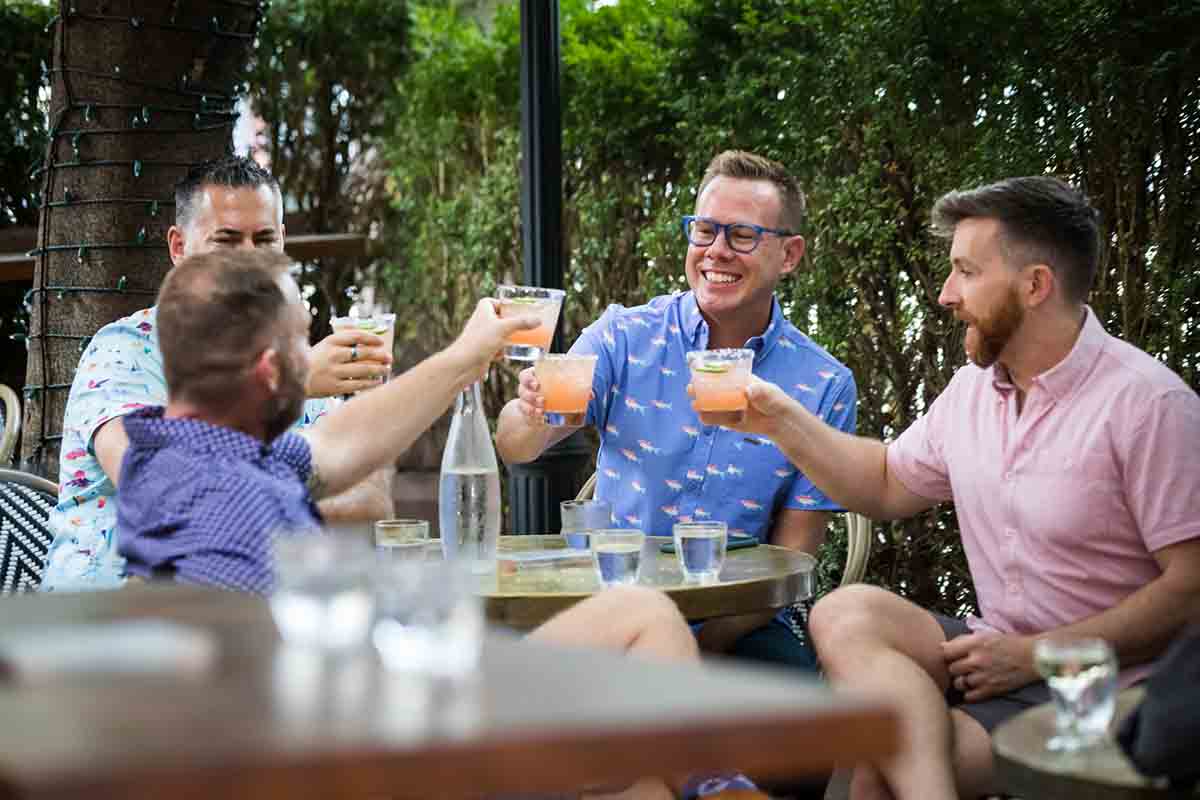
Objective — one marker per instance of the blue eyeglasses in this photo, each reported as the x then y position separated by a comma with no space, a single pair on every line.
742,237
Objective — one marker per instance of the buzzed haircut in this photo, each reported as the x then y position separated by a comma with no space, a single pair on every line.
1043,220
216,313
232,172
748,166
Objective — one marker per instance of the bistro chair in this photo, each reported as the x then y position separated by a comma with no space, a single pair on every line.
25,504
858,538
10,416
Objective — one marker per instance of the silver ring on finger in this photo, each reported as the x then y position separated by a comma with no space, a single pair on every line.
354,352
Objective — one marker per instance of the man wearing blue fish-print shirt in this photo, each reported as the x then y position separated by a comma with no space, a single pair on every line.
658,464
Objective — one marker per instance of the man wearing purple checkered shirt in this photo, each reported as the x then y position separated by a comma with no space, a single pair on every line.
207,480
1072,461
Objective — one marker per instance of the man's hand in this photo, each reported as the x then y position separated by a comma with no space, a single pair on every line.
766,408
530,400
485,334
984,665
347,362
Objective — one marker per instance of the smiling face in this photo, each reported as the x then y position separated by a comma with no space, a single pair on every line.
981,290
224,217
732,288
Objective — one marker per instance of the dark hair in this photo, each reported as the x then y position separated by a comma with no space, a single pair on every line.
1042,220
216,312
234,172
748,166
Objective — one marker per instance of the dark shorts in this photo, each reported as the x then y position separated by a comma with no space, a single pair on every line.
991,712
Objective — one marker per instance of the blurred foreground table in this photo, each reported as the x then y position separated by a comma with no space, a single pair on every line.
267,721
753,579
1027,769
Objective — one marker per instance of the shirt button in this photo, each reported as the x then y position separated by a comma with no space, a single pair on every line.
1010,532
1008,476
1012,587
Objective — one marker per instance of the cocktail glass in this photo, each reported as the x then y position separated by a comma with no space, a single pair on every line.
1082,675
719,380
381,325
566,383
528,345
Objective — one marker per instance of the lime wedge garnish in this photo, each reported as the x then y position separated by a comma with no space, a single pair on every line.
715,369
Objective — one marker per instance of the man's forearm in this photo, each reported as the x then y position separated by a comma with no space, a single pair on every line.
518,440
366,501
376,426
1141,626
850,470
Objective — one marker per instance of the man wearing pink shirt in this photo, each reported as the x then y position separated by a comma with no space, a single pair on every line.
1073,462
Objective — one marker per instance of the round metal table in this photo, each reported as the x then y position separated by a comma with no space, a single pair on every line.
753,579
1027,769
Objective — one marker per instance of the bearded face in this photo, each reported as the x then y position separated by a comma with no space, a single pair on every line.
286,405
988,333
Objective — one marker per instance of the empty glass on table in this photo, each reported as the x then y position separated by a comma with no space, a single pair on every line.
700,550
1082,675
617,556
322,598
401,539
580,518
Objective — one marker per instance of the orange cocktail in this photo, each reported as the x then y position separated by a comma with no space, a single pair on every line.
566,386
528,345
719,380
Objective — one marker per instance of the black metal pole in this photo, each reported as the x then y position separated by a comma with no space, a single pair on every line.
536,488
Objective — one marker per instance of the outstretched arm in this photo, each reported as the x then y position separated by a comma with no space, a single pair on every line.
851,470
374,427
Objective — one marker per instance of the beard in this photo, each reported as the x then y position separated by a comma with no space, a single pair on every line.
285,407
987,336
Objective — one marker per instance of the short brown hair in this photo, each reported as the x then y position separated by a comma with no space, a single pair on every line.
748,166
216,312
1042,220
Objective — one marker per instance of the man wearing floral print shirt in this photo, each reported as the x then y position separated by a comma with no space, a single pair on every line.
231,203
657,463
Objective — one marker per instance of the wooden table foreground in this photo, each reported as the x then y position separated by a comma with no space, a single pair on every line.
267,721
753,579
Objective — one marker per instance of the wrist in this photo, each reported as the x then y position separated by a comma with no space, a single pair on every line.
464,366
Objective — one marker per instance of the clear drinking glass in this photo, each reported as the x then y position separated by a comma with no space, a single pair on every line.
401,539
382,325
566,383
322,596
1082,676
700,549
719,380
617,556
429,620
580,518
528,345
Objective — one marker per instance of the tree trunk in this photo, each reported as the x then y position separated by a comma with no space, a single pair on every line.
140,91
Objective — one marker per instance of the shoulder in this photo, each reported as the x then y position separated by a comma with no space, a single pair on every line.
293,450
798,345
138,325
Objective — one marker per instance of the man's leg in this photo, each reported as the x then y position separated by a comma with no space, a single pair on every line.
874,641
631,619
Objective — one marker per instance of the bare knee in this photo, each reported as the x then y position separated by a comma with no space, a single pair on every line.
850,612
